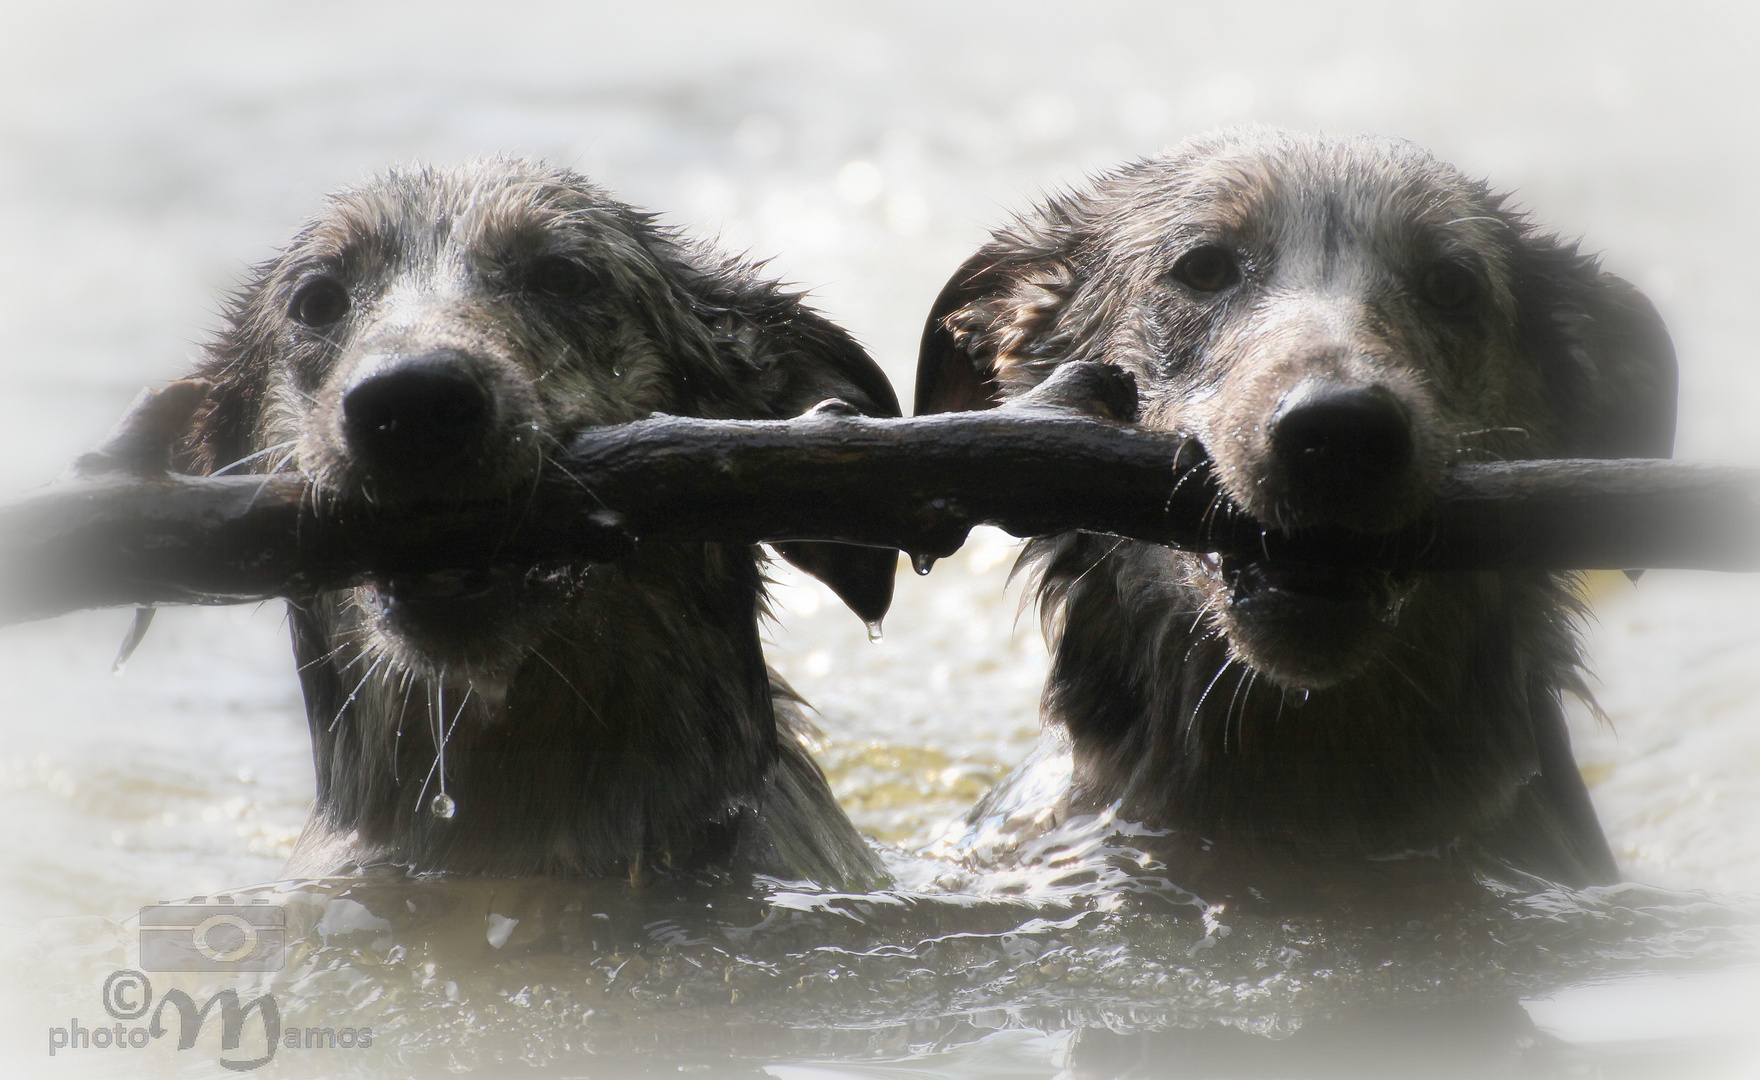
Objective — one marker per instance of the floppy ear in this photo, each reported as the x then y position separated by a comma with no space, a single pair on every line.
810,359
995,328
804,358
221,430
952,373
799,358
1607,358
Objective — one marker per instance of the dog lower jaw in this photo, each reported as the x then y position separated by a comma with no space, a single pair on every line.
1303,627
474,626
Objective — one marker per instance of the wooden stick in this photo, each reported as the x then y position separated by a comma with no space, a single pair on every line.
123,532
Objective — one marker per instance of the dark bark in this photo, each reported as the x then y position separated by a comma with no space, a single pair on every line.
918,484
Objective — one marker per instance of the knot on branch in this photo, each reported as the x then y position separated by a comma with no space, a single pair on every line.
1105,391
833,407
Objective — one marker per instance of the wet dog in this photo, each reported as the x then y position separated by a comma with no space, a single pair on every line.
1335,321
437,335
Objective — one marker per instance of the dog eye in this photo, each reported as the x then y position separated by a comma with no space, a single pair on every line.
1450,286
1207,269
559,276
319,302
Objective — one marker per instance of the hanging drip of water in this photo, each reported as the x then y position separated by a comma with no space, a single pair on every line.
874,634
443,805
922,564
1296,696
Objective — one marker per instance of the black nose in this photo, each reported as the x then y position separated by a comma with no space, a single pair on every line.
407,410
1341,440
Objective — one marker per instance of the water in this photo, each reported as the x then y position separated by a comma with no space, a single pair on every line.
147,154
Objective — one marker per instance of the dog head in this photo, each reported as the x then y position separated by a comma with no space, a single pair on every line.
436,335
1336,321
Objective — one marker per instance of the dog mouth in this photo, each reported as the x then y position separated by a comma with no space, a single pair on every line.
1305,625
434,592
449,592
1254,581
465,617
1251,580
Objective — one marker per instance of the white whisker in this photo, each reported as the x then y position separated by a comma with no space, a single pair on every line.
442,738
352,694
248,458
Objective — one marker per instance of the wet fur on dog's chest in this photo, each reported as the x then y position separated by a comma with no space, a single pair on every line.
583,759
1376,764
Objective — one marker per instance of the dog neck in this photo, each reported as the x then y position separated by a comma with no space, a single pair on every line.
638,730
1432,740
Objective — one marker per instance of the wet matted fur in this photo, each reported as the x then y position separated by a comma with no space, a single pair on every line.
1335,321
435,334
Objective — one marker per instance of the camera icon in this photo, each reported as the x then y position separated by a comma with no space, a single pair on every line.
213,934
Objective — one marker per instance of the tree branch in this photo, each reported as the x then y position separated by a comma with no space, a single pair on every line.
124,532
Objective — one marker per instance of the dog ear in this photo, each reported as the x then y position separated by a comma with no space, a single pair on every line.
995,328
815,361
1607,359
952,373
805,359
221,431
799,358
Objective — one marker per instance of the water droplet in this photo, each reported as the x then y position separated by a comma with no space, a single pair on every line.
922,564
442,806
1296,696
617,371
874,634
